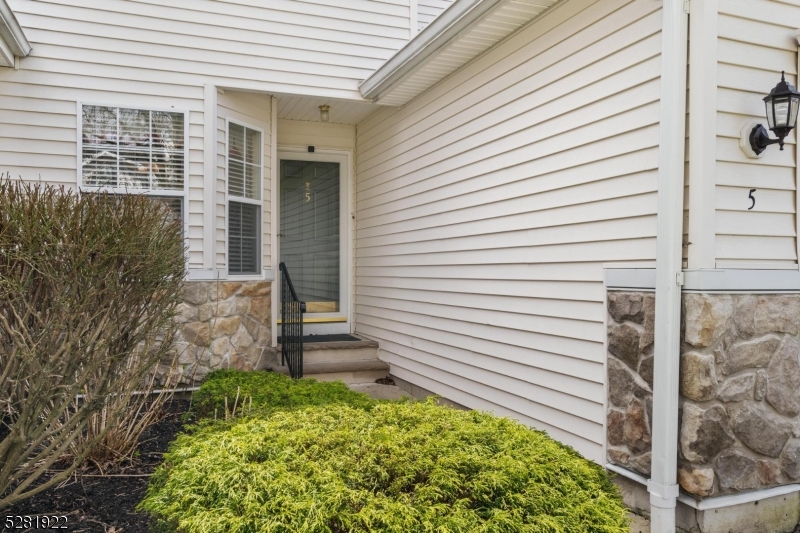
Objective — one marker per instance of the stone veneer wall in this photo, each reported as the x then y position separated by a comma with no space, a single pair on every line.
739,385
224,324
630,379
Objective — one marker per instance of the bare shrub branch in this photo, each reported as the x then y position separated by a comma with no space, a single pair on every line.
89,286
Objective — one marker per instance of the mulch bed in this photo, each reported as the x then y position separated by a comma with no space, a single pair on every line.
105,503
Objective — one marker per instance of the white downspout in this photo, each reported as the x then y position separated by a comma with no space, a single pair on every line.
663,485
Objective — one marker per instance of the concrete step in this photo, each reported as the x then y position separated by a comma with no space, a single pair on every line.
363,371
336,352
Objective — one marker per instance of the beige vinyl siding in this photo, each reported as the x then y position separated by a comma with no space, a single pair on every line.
428,10
149,53
755,43
254,111
487,207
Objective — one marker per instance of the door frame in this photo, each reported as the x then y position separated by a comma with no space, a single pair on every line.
325,323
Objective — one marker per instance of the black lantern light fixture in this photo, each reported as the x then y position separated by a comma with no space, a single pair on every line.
782,104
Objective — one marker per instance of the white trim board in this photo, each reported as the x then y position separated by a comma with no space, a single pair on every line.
346,182
708,280
718,502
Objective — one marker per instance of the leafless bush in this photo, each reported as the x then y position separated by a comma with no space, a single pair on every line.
89,286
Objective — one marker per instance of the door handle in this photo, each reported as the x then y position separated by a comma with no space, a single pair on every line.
281,235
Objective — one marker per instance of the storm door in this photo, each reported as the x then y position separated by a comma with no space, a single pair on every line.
310,233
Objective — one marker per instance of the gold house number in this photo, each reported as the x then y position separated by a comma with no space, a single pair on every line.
308,191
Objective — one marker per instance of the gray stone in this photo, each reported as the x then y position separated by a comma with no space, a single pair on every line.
618,457
698,376
623,342
624,306
760,430
615,424
783,378
642,463
778,313
648,331
737,471
706,318
196,333
242,340
195,293
761,385
623,384
790,459
186,313
697,481
737,389
635,430
744,314
646,370
704,432
221,346
750,354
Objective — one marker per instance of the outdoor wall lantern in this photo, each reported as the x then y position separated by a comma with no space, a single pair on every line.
782,104
324,113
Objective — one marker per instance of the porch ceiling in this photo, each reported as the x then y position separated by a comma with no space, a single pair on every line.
460,34
305,108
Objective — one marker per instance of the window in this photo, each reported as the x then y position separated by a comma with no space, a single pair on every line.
244,206
125,150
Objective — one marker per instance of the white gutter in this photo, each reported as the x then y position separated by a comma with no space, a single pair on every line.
663,485
11,32
454,21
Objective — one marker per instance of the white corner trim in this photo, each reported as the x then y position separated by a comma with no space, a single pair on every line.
209,175
11,32
630,278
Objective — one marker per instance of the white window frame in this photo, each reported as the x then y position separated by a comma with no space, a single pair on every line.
258,275
172,193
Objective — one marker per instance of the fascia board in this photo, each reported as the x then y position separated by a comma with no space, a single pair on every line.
11,32
446,28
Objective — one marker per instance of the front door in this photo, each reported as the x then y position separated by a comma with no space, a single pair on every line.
311,239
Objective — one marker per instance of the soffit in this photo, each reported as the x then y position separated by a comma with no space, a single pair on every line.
442,59
291,107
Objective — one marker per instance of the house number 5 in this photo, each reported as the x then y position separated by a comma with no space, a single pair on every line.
308,191
753,198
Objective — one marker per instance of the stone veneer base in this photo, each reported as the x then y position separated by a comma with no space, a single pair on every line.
224,324
739,386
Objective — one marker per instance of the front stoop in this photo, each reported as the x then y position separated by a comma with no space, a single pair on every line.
350,361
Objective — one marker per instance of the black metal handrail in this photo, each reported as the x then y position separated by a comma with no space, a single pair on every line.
292,310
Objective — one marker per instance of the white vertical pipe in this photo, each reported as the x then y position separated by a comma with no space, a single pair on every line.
663,485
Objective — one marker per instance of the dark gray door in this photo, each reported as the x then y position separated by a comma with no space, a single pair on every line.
310,231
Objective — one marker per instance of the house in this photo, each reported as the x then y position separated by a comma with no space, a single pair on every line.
517,200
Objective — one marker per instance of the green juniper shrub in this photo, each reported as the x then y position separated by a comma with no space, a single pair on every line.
263,392
400,467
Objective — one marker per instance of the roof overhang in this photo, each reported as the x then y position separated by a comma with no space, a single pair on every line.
13,42
462,32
